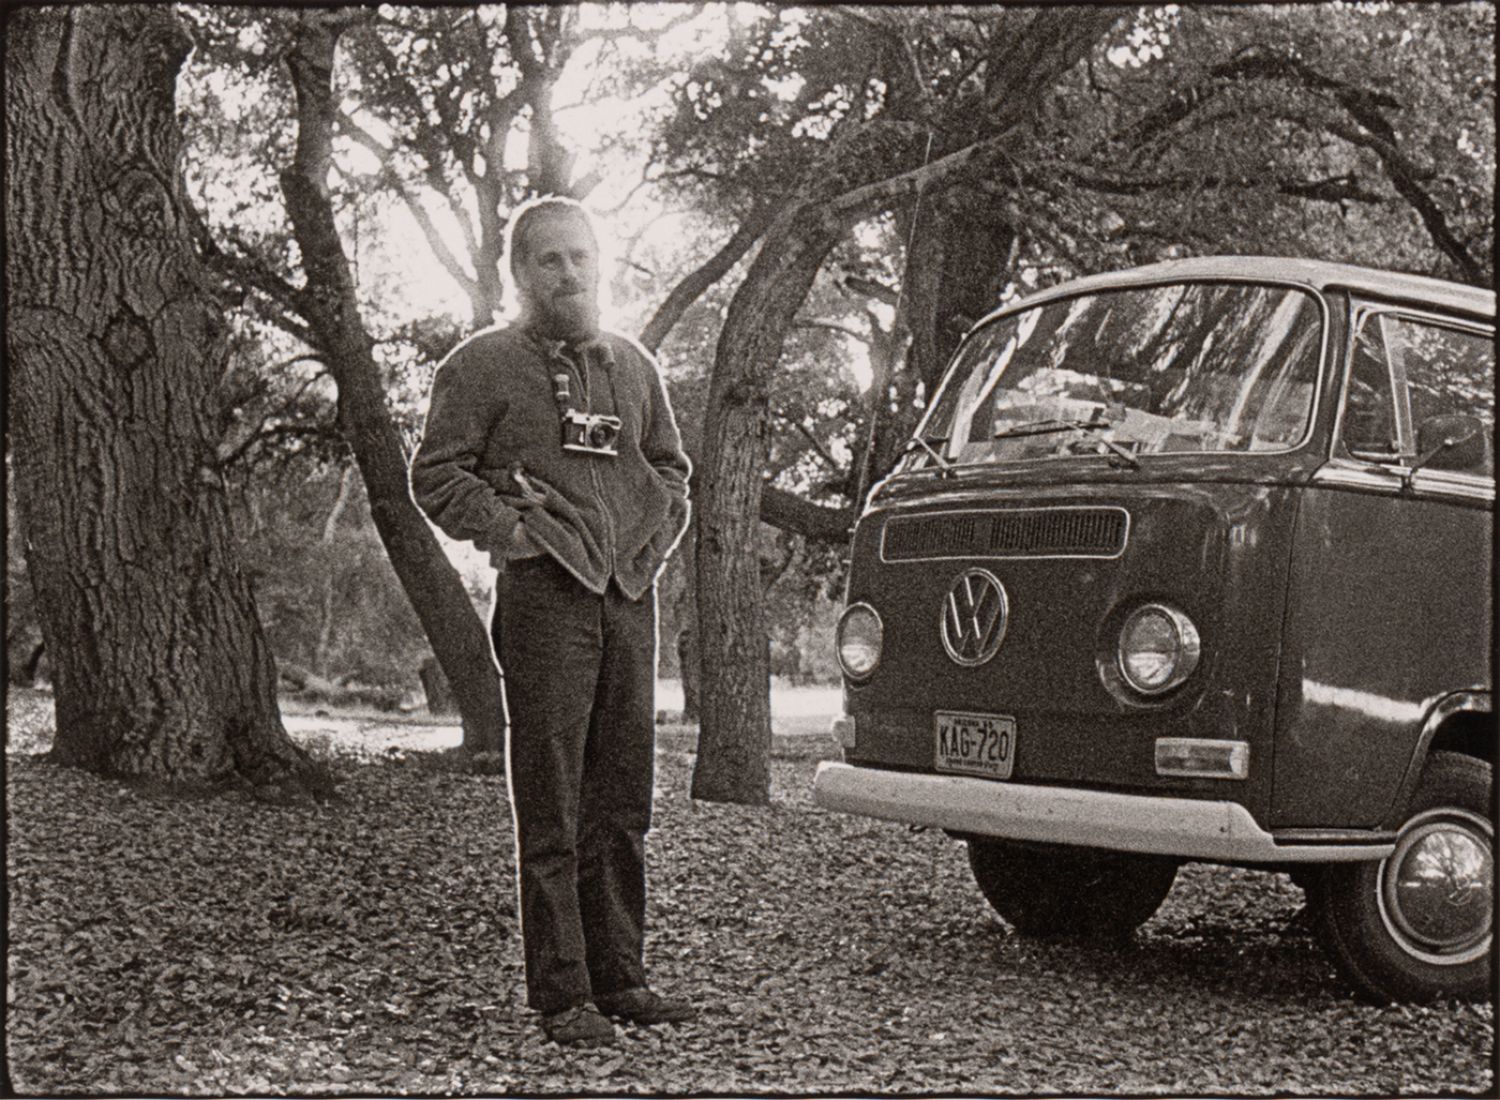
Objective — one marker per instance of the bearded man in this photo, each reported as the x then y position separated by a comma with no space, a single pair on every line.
550,445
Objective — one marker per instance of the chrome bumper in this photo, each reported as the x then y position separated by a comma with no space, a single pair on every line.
1191,828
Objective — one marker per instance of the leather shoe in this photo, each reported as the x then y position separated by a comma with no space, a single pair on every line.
645,1006
581,1025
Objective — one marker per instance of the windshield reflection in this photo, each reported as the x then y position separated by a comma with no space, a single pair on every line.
1193,367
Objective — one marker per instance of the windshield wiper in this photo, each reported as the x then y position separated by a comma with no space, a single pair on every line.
944,466
1050,427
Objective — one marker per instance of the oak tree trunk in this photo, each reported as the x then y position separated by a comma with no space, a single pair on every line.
734,738
160,666
458,637
328,612
436,688
687,653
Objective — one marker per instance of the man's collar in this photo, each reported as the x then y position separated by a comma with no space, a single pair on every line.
595,349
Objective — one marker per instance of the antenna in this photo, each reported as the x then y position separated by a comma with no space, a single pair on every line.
911,235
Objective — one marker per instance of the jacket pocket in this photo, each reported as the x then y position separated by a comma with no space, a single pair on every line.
660,524
559,526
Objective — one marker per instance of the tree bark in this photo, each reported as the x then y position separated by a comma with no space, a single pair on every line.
687,653
436,688
697,282
160,665
687,662
734,739
326,614
457,636
788,512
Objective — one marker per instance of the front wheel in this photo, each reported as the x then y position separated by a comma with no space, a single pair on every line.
1418,925
1056,890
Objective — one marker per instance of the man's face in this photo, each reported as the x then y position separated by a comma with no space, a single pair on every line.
558,277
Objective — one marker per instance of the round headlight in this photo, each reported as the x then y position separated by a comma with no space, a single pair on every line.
1158,649
860,634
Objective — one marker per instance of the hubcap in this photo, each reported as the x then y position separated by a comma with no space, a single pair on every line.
1436,887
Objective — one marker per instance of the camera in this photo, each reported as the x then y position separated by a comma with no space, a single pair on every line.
591,433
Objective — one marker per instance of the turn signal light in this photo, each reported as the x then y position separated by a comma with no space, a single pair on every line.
1199,758
860,635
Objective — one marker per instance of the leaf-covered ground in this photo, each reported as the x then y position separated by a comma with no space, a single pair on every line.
218,946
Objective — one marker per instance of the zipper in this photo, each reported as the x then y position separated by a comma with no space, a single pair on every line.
609,526
582,367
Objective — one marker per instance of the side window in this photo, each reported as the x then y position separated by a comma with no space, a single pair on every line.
1409,378
1370,409
1450,372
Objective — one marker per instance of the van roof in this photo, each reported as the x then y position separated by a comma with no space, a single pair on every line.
1316,274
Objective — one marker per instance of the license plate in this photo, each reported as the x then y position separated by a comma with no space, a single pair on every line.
974,744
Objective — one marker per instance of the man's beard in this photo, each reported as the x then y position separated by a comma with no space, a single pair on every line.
565,316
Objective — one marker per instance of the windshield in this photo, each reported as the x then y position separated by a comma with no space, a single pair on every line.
1144,370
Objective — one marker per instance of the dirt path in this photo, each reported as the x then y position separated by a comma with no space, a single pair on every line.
798,711
795,710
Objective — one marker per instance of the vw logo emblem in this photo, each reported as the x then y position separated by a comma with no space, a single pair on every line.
975,613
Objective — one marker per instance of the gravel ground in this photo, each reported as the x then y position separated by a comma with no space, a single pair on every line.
219,946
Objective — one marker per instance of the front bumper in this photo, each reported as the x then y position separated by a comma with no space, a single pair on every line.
1191,828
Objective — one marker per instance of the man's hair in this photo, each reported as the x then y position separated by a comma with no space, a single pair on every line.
534,210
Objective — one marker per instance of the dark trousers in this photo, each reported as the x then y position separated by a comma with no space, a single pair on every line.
580,678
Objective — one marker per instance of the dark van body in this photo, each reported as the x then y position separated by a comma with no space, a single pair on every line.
1194,563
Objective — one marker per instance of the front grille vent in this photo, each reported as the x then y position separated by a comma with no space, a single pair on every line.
1008,533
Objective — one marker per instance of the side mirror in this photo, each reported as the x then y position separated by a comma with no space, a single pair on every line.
1453,441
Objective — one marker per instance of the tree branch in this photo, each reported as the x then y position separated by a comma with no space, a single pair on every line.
834,326
430,143
250,273
813,442
236,443
634,33
1345,188
1257,64
872,289
279,431
440,250
788,512
945,170
1407,179
1371,131
246,271
1054,40
697,282
915,83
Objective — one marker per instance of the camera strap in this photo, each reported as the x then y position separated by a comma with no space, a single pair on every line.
562,354
579,357
596,353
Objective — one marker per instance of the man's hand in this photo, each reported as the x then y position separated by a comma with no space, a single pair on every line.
529,492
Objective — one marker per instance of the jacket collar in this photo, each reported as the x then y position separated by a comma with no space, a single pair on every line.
595,351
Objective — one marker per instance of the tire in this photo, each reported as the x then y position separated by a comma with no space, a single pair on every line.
1395,936
1062,890
1310,879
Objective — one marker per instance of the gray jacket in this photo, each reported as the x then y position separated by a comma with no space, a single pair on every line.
494,414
